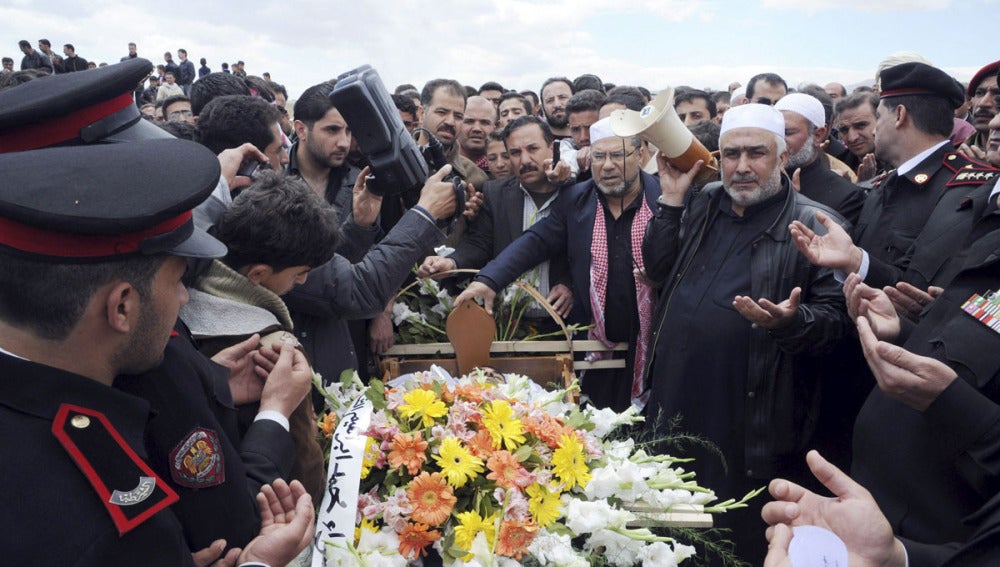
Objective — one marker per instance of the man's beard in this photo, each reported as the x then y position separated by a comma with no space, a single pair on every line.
618,189
801,158
768,188
557,123
145,347
321,158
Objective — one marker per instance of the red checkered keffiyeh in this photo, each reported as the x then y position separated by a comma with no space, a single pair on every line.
643,293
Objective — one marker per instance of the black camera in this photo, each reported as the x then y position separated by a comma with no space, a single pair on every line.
397,163
252,168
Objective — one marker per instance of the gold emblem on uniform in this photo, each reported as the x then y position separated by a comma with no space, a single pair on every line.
951,157
80,421
920,178
197,462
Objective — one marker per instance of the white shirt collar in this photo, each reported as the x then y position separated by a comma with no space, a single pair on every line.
915,160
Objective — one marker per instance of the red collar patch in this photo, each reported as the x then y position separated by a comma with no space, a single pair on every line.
196,462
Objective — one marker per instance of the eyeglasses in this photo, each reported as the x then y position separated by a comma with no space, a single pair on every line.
179,113
600,157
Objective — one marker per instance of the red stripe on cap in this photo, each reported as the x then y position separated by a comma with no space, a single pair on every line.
65,128
903,92
34,240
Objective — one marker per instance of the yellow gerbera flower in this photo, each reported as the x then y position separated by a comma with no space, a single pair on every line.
457,464
469,525
569,463
504,428
544,504
423,404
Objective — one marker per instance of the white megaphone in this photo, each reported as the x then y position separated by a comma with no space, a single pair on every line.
658,124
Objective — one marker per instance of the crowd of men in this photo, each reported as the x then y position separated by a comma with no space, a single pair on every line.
44,60
825,281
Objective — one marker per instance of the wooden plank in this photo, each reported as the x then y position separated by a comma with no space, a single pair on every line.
422,349
673,520
679,516
505,346
598,364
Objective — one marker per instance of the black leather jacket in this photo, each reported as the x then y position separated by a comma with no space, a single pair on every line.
782,391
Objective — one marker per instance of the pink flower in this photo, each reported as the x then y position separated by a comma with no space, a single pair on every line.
369,505
396,510
517,504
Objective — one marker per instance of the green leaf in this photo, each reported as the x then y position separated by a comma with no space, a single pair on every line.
376,393
523,453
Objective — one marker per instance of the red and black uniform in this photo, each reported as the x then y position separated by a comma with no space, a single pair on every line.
82,492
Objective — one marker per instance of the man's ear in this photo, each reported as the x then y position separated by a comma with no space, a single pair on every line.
122,305
820,134
256,273
902,115
301,130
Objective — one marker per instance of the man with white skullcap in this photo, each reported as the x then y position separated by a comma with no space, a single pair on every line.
741,316
598,225
805,130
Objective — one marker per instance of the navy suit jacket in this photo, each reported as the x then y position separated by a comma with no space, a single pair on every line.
567,231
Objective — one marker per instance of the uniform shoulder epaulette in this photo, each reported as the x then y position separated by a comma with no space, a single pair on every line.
129,489
956,161
972,175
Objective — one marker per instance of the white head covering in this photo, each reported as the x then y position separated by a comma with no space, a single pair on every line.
753,115
807,105
600,130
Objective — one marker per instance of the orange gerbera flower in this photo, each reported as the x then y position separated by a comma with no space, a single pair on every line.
328,424
409,450
507,471
431,497
471,392
546,428
414,540
481,444
515,537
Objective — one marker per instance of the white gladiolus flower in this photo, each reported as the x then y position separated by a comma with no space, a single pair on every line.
586,517
682,552
657,554
606,420
623,480
441,309
401,312
382,540
619,450
552,549
619,549
340,556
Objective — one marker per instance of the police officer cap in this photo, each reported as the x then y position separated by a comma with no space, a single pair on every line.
75,108
107,201
920,79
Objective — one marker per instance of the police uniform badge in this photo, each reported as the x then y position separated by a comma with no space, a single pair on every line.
197,462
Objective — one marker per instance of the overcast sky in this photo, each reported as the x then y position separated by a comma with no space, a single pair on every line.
653,43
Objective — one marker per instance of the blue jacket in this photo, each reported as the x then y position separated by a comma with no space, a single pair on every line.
568,230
